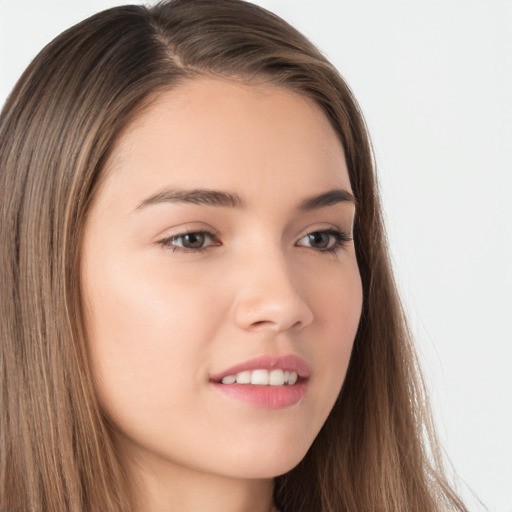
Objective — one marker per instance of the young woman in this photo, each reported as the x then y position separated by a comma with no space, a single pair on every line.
197,307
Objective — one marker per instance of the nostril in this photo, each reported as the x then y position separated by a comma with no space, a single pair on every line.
266,324
261,325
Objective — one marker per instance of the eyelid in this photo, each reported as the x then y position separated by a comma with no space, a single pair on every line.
323,227
187,228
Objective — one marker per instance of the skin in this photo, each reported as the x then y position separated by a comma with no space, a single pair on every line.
161,321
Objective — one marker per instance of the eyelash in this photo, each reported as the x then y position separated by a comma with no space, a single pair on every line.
341,238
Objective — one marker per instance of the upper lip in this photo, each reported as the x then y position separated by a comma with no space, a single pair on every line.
290,363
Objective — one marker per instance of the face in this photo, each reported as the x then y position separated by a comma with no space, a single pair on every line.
220,282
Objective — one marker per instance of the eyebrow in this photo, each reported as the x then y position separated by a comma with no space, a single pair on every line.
219,198
325,199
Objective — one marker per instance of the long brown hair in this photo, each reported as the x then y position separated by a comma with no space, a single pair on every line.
376,452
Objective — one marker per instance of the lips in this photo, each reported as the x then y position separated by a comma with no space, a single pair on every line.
271,382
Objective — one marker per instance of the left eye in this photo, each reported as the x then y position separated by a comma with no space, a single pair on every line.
329,240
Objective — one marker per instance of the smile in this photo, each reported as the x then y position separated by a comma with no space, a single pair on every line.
261,377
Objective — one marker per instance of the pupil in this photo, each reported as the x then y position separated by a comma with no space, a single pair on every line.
193,241
319,240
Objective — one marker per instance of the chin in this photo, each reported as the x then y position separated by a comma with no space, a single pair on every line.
269,459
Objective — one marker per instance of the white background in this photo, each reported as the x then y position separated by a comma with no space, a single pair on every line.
434,80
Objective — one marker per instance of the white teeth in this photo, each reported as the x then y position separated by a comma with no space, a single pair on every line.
263,378
259,377
276,378
243,377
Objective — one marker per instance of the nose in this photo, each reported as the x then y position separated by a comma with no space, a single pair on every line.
268,297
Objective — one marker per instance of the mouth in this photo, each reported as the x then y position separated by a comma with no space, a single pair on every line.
266,382
262,377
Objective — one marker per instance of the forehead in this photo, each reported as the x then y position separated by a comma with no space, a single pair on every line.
229,135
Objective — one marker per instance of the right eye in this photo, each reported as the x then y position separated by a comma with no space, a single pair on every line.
190,242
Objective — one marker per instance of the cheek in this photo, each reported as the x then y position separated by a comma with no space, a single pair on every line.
146,338
342,312
337,297
337,312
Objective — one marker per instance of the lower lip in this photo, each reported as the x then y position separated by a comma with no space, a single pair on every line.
265,397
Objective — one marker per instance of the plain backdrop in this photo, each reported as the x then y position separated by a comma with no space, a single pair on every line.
434,80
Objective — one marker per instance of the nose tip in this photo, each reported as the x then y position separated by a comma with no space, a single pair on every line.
274,317
271,301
